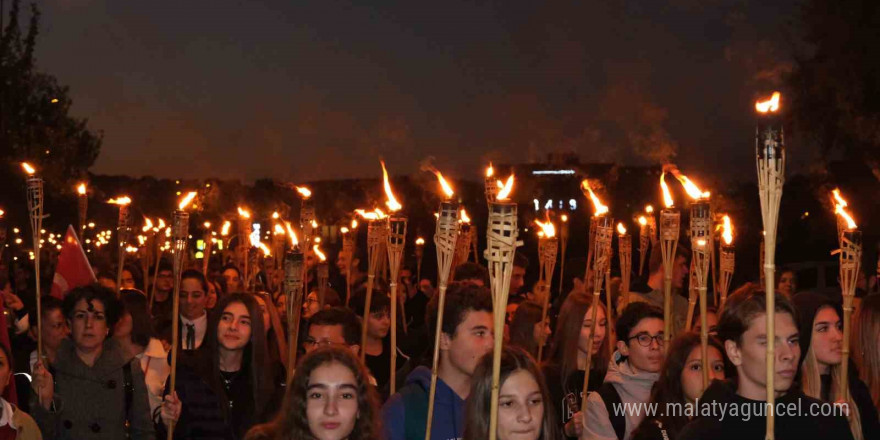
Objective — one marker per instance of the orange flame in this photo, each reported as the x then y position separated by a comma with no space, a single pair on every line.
344,230
504,192
124,200
547,228
564,218
444,185
770,105
81,189
186,200
597,204
224,231
207,225
464,216
354,224
161,224
420,241
490,171
643,221
667,196
243,213
621,229
28,168
649,209
264,248
392,202
727,231
839,206
314,224
376,214
304,192
320,254
148,224
293,240
690,187
838,198
276,215
278,230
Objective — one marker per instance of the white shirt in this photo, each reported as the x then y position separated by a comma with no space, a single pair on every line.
154,363
200,324
6,418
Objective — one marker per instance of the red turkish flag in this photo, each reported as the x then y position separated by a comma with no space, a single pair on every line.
73,269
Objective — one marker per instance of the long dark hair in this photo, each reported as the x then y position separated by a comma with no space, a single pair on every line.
564,350
256,356
513,359
135,304
292,423
668,391
522,327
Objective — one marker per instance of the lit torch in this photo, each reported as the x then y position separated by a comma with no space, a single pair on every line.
850,262
445,239
82,199
396,240
624,255
563,236
348,240
463,245
727,259
670,226
491,187
35,213
770,152
244,230
323,275
501,243
548,247
293,290
122,228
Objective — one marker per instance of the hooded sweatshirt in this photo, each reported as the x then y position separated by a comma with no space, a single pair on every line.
632,387
409,406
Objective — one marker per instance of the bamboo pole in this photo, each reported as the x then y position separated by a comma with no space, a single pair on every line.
445,241
624,254
396,240
850,262
727,266
548,247
601,259
563,240
122,229
294,260
701,243
770,161
670,224
180,232
35,213
375,237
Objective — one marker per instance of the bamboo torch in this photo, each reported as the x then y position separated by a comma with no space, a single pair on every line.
727,260
644,239
463,245
82,198
375,236
420,252
563,239
491,184
348,237
548,247
208,239
179,235
501,243
157,242
122,227
602,234
445,237
244,230
396,240
35,213
850,262
770,152
323,272
278,241
670,226
293,290
624,254
701,242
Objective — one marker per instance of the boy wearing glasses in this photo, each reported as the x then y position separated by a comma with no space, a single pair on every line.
631,374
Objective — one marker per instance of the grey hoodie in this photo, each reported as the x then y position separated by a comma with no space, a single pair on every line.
633,388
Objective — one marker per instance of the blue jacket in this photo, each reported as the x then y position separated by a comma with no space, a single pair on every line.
406,413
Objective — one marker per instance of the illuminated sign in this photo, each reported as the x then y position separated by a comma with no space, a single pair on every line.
555,204
552,172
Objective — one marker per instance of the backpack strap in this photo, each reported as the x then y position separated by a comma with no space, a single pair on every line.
612,399
415,404
128,388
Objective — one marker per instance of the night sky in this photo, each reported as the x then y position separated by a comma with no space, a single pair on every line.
303,90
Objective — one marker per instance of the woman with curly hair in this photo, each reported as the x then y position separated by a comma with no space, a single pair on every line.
329,398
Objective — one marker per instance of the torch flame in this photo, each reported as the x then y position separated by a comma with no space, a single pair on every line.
464,216
314,224
148,224
839,206
255,235
28,168
243,213
186,200
81,189
643,221
649,209
444,185
727,231
264,248
690,187
621,229
504,192
490,171
354,224
207,225
597,204
376,214
420,241
304,192
667,196
275,215
838,198
278,230
320,254
392,202
564,218
224,231
124,200
161,224
770,105
547,228
344,230
293,240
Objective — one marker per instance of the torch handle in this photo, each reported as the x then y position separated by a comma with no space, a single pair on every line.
496,368
704,337
770,307
369,299
175,333
441,301
393,376
667,310
844,362
594,313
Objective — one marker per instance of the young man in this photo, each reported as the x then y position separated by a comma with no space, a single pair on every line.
377,350
743,330
631,374
193,309
160,309
465,337
334,326
652,290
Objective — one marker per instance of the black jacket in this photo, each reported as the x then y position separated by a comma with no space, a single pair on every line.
802,425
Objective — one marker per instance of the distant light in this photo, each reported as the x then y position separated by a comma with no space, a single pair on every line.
552,172
54,101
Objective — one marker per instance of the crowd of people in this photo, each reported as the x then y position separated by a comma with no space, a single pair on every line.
105,371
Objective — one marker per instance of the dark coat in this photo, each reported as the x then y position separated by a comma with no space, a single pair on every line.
89,402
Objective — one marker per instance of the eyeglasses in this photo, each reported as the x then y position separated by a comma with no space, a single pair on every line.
646,339
322,343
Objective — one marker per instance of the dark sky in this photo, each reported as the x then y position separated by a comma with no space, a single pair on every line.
302,90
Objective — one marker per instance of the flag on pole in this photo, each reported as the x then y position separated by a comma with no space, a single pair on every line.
73,269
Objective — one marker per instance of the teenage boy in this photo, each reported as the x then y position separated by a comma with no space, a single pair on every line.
738,407
466,335
631,374
336,326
